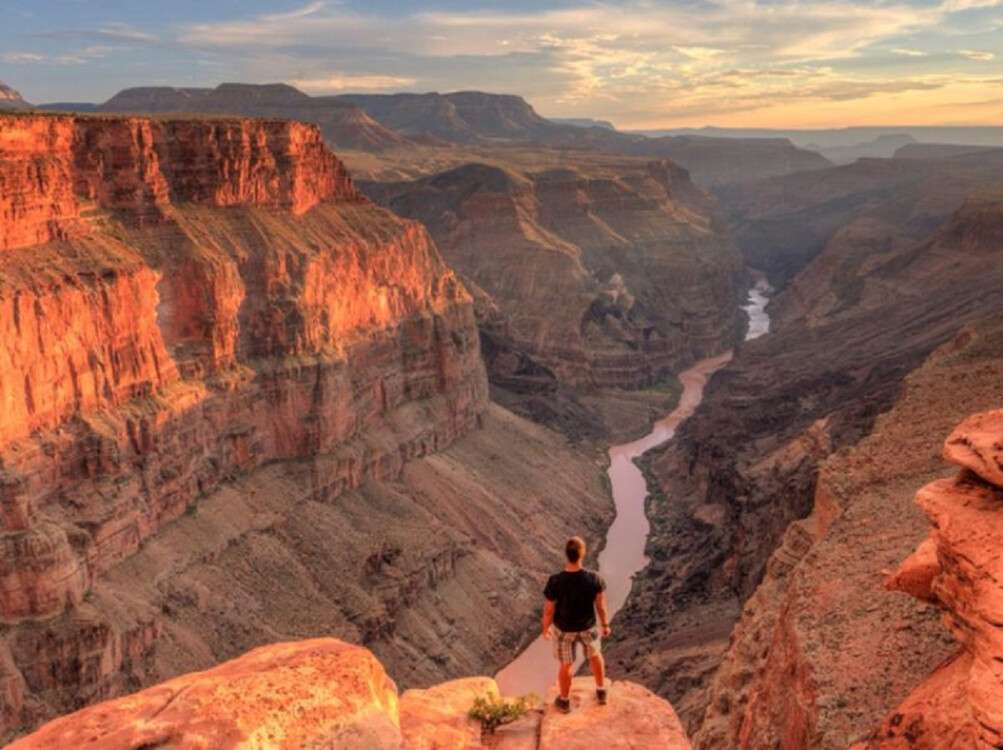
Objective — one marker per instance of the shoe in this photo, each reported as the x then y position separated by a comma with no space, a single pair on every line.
562,704
601,696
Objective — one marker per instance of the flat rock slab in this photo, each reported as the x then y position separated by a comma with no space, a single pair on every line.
634,719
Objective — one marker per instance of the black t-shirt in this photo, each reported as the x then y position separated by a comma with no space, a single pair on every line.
575,596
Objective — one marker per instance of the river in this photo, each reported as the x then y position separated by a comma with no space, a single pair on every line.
534,670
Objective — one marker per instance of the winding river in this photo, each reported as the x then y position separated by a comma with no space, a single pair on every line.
534,670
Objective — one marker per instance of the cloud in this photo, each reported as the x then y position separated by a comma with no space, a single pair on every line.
345,82
957,6
651,58
306,10
21,58
977,55
80,57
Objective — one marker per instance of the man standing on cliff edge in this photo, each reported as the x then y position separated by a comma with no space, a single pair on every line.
569,618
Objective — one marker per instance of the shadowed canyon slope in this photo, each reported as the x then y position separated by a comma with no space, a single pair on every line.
225,371
616,274
325,693
870,207
744,471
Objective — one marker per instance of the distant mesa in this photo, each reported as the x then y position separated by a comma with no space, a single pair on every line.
584,122
477,118
11,99
343,125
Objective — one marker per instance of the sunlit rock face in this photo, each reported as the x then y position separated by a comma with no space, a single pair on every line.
327,694
961,704
184,302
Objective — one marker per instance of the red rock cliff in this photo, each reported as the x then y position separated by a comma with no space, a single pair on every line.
182,302
54,168
960,569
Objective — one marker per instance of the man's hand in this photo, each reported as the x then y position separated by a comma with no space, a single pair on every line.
548,618
607,631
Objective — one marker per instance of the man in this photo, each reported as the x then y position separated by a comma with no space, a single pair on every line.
569,617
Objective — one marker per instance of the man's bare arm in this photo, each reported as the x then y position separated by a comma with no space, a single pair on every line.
603,614
548,617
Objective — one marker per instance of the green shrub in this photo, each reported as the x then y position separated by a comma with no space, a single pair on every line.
492,712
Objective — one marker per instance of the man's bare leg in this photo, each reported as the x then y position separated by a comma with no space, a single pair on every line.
564,680
598,666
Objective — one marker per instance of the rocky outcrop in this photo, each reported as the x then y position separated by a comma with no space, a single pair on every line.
741,481
961,704
343,125
857,651
589,281
325,693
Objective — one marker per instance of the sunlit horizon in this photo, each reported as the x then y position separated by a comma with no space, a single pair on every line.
641,65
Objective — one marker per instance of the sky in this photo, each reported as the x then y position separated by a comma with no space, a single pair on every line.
638,63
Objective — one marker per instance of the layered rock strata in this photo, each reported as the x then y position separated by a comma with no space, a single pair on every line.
223,370
856,651
745,468
958,568
588,280
325,693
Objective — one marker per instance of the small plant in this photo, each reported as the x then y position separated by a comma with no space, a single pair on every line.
495,711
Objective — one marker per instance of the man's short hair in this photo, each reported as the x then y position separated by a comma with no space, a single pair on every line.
575,549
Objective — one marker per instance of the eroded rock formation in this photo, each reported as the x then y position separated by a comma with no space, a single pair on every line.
960,570
325,693
590,279
739,484
224,370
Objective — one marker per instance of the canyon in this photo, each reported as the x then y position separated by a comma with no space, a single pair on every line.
590,282
250,400
785,501
241,401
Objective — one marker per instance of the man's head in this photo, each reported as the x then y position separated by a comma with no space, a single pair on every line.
575,549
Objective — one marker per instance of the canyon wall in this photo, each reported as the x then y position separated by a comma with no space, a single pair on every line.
233,395
743,476
587,279
821,612
854,213
326,693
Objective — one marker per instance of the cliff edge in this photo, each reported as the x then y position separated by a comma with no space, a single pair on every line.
324,693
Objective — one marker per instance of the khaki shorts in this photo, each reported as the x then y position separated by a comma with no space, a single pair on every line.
566,644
